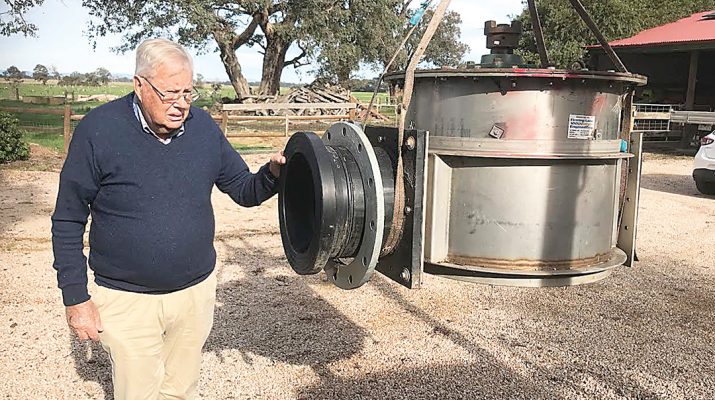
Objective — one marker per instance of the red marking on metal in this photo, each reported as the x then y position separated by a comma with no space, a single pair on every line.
522,124
598,103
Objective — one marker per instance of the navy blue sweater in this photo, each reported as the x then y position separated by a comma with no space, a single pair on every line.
152,227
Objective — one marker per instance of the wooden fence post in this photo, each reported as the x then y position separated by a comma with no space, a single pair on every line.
286,132
224,122
67,126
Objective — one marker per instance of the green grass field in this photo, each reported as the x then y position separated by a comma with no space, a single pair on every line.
51,140
32,88
46,129
364,97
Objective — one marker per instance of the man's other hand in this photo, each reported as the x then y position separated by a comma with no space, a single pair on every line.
84,320
277,159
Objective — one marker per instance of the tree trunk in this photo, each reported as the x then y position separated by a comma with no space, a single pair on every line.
344,78
273,64
233,68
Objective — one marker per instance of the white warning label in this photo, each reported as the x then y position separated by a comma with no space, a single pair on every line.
581,126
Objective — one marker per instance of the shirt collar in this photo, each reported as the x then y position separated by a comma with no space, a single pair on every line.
138,113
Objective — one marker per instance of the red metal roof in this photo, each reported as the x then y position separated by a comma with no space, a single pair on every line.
693,29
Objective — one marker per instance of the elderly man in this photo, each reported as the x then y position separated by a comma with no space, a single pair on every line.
144,167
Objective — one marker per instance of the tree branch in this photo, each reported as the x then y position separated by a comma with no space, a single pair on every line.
260,44
296,60
247,34
17,22
275,8
403,11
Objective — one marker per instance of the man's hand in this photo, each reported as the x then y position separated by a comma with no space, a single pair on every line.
277,160
84,320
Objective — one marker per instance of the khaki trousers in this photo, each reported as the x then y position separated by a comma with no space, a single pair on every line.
154,341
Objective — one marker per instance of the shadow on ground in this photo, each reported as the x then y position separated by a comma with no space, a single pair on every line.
478,380
675,184
258,314
92,364
641,340
597,341
255,319
669,148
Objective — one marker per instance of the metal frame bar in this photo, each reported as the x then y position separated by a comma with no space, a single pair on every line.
629,216
538,33
599,36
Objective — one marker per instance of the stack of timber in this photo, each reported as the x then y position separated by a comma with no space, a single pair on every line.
313,93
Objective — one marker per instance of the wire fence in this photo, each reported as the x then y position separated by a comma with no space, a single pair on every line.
73,124
53,126
40,127
657,108
651,125
653,120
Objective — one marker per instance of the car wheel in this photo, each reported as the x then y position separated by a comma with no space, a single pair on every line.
705,187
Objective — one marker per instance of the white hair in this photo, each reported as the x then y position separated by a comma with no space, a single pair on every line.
153,52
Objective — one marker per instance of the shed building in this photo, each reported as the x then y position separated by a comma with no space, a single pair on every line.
678,58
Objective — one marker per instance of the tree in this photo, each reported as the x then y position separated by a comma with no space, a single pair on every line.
199,81
14,75
40,74
216,92
566,35
54,74
273,25
444,49
89,79
321,29
344,48
365,85
376,42
102,76
13,20
73,79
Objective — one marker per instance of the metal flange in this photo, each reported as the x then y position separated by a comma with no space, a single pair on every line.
331,205
353,273
307,211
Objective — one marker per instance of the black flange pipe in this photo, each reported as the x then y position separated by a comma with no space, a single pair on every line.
321,201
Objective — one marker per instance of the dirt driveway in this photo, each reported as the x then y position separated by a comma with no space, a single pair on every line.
646,332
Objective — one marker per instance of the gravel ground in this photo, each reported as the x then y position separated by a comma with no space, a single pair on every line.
643,333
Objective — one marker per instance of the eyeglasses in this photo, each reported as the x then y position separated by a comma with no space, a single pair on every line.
174,97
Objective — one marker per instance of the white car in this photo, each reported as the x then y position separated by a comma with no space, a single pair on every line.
704,165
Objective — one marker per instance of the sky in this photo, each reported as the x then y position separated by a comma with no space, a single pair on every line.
61,42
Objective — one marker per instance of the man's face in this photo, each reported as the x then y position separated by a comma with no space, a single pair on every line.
170,79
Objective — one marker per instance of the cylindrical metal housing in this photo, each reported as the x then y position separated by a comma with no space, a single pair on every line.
524,170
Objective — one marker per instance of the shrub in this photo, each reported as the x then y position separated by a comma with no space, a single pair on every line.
12,147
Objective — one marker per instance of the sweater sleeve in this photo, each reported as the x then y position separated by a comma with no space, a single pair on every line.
79,184
236,180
